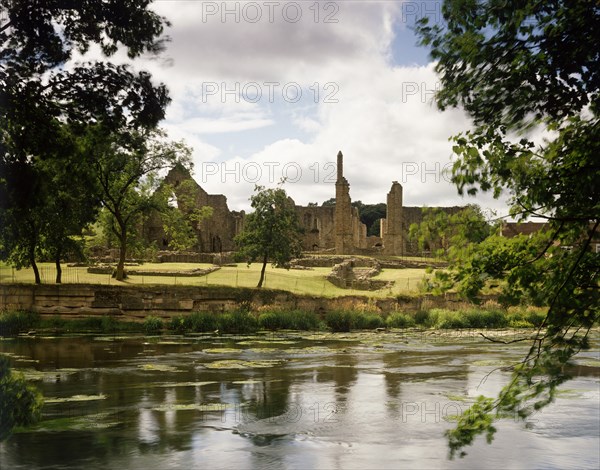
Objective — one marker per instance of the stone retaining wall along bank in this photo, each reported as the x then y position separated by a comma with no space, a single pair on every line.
73,300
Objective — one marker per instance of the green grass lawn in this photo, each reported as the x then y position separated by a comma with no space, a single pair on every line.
312,282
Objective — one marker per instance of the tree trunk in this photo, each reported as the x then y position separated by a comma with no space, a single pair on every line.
36,272
262,271
120,276
58,270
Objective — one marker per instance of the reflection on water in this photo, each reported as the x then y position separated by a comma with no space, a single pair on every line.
359,400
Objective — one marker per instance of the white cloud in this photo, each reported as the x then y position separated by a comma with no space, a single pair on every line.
380,112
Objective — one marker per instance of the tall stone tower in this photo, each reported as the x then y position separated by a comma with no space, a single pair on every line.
343,211
392,234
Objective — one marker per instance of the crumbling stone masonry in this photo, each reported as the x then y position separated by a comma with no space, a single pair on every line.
392,232
350,232
215,234
318,224
347,275
336,229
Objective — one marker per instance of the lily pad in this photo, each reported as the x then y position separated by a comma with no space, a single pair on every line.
490,363
264,350
253,381
264,341
47,375
159,367
184,384
240,364
75,398
173,343
194,407
221,350
309,350
78,423
114,338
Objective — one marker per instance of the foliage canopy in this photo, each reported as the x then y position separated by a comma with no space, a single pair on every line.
271,232
528,76
20,403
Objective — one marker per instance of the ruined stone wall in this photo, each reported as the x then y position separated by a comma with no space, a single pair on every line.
393,235
344,239
359,231
318,225
324,228
216,233
135,303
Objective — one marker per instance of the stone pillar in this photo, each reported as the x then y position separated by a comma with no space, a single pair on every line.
343,211
392,236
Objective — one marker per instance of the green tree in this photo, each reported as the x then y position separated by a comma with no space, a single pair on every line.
37,39
370,215
180,215
450,233
519,68
125,165
40,98
20,403
45,203
71,201
271,232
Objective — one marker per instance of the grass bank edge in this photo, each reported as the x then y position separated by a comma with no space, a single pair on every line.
273,319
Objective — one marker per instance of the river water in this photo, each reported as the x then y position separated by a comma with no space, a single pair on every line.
327,401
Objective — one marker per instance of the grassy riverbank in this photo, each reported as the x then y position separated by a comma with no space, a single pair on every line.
240,321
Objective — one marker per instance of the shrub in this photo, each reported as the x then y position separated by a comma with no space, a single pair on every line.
152,325
422,317
473,318
181,324
339,320
270,320
345,320
535,317
20,403
519,317
362,321
303,320
109,324
399,320
202,322
13,323
57,323
448,319
288,319
519,324
91,323
237,322
486,318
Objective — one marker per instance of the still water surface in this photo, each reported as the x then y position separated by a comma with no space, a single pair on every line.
327,401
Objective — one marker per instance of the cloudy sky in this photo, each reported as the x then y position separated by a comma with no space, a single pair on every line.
265,90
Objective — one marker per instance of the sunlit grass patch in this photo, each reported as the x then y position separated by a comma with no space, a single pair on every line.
309,282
